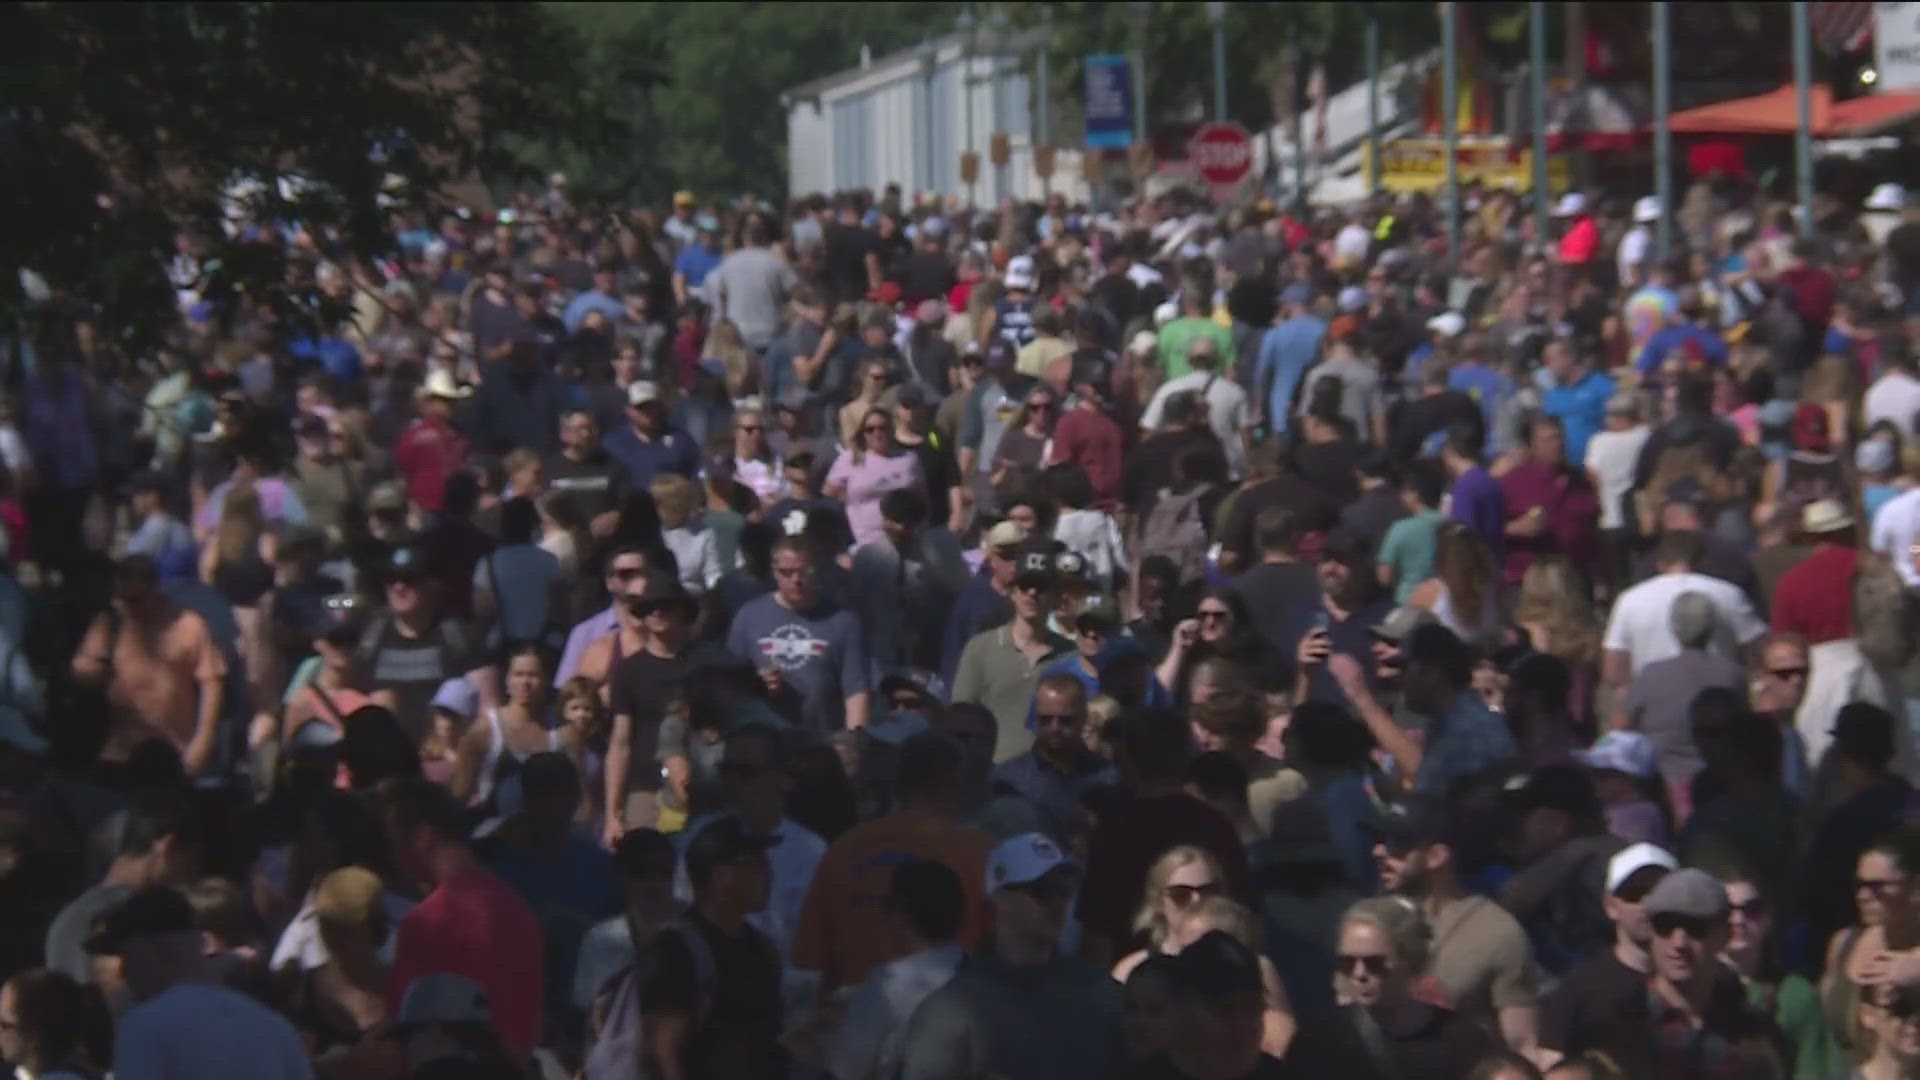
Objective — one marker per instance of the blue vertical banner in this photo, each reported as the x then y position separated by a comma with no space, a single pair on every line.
1109,102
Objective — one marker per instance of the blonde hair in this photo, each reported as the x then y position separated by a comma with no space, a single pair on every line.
242,523
859,441
1405,931
1226,914
736,363
1150,920
675,497
517,460
1553,595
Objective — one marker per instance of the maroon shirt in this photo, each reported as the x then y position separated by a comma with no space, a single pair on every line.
1572,516
1091,440
1131,838
1815,598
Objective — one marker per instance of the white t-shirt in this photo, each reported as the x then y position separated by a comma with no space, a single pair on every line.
1894,396
1226,411
192,1031
1610,457
1351,243
1895,528
1631,255
1642,622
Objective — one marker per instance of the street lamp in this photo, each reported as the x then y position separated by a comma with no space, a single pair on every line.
1217,15
929,63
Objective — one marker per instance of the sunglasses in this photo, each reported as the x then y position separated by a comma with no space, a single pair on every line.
1755,908
1183,896
1878,887
1213,616
874,429
750,428
1694,926
1374,964
1788,672
1053,889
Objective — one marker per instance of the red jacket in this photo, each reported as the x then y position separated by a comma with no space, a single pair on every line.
429,451
1091,440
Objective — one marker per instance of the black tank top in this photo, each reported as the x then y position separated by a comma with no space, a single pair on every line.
243,583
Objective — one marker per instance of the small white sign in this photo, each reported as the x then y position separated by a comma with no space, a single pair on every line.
1896,46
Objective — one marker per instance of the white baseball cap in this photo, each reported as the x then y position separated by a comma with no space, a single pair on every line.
1020,272
1353,298
1631,860
1887,197
642,392
1646,209
1023,860
1144,341
1447,324
1572,204
1621,751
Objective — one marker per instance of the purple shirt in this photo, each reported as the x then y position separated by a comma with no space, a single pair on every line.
1479,504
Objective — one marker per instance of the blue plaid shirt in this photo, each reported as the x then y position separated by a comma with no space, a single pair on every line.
1469,739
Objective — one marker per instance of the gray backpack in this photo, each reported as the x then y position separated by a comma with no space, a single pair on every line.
1175,529
618,1050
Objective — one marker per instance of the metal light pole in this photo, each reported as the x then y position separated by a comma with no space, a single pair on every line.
1217,15
929,65
968,27
997,97
1662,132
1298,64
1043,126
1373,99
1803,91
1537,43
1142,11
1450,124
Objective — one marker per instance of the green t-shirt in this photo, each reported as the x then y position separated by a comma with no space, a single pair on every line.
1178,336
1796,1008
1408,548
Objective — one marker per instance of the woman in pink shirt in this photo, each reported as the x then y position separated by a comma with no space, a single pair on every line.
871,467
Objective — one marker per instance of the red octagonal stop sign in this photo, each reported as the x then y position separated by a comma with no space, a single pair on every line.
1222,151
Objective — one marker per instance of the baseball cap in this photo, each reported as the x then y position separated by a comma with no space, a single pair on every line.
406,564
663,591
1352,298
387,496
1020,272
642,392
1214,968
1144,341
1023,860
1634,858
458,697
1402,621
722,842
1624,403
1646,209
792,399
1690,892
1888,196
1447,324
1874,455
1000,355
1572,204
1297,293
349,896
1627,752
443,998
683,198
1416,821
156,910
1563,787
1006,534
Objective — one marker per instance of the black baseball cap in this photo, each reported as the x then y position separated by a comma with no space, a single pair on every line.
157,910
1215,968
664,591
722,842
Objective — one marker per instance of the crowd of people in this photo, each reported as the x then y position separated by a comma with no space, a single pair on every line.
883,639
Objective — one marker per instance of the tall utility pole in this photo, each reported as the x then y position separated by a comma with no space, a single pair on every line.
1450,125
1662,131
1537,44
1217,15
1043,124
1373,99
929,67
1803,131
969,26
1142,11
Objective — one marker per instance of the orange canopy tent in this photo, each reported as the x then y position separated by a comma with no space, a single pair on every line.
1777,112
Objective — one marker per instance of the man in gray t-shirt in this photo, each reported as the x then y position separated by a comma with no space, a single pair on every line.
750,287
1659,703
808,651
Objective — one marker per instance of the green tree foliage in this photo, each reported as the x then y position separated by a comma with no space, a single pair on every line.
123,123
713,121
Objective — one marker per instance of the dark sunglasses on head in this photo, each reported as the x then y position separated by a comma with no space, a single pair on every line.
1375,964
1694,926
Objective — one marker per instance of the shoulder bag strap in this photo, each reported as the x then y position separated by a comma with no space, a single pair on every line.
1374,1040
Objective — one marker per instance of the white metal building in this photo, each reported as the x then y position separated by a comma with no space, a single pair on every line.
869,127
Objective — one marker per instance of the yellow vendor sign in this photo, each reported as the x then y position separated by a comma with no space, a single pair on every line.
1420,164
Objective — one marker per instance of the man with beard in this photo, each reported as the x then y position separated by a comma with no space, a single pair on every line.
1338,621
1480,957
